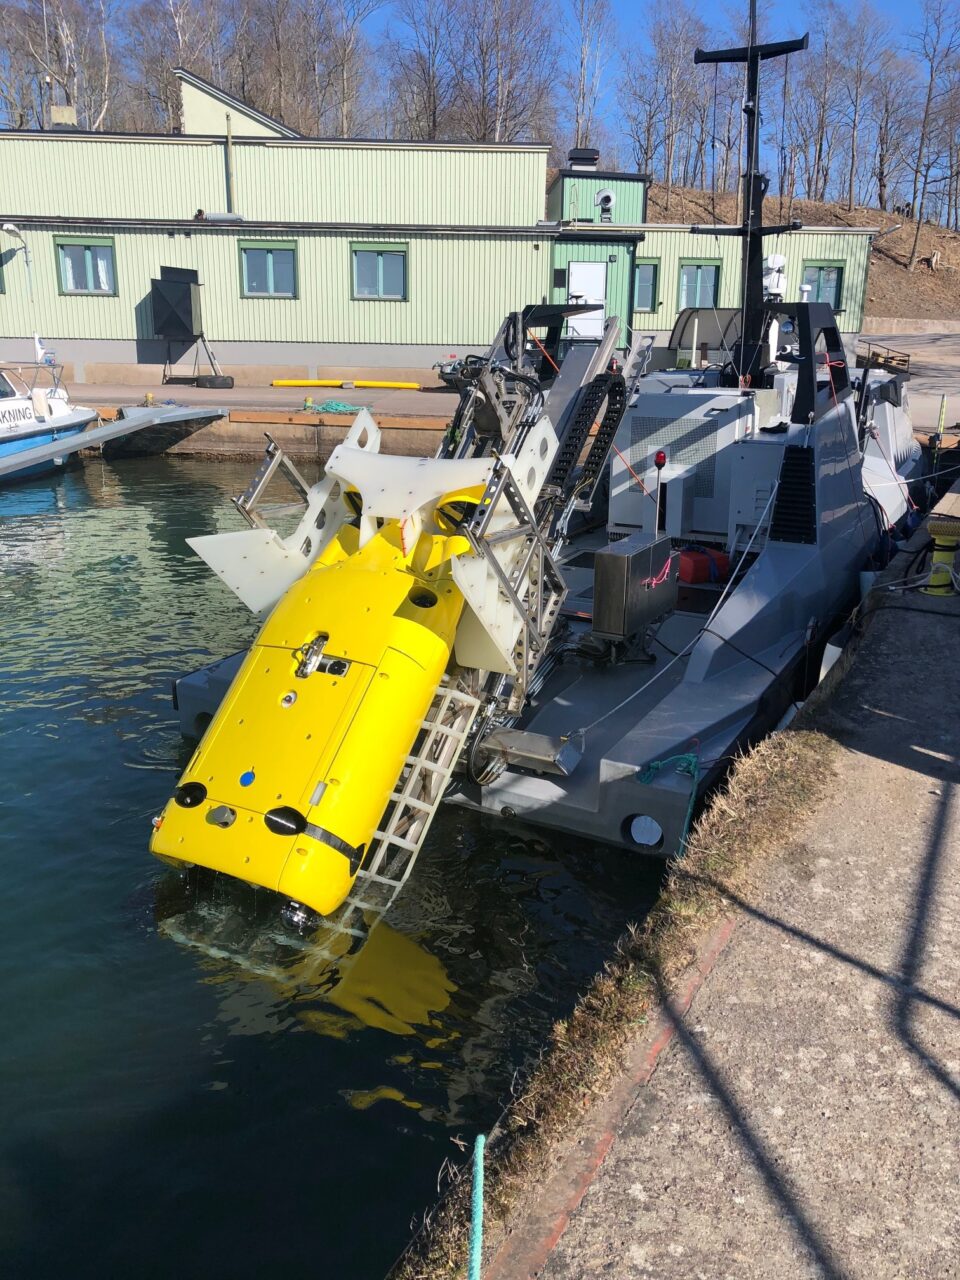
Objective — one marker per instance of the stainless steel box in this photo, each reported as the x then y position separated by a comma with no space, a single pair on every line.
635,582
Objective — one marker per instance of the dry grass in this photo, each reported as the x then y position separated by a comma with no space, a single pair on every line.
768,794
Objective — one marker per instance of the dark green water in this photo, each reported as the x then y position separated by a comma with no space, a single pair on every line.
184,1092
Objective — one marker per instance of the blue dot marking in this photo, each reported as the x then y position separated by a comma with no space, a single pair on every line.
247,778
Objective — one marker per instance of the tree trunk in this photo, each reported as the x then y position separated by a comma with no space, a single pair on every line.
915,251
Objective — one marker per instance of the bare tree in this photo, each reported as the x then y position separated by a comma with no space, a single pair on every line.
68,42
891,115
588,40
508,60
936,43
423,53
661,94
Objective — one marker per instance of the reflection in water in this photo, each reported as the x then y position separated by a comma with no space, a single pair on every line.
192,1088
384,979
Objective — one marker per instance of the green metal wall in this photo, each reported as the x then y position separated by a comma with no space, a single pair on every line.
79,176
204,113
459,285
555,201
618,272
459,288
577,196
670,247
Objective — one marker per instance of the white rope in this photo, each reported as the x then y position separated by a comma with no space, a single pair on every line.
690,643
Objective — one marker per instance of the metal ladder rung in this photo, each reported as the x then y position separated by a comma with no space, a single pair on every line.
425,764
401,843
360,905
376,878
399,798
437,730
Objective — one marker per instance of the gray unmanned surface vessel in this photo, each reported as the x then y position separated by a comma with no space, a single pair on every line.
682,559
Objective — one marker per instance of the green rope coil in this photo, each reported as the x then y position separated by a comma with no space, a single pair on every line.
334,406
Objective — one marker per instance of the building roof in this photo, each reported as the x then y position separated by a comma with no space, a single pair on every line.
295,140
605,175
237,104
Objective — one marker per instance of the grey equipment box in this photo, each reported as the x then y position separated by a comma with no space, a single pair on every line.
635,582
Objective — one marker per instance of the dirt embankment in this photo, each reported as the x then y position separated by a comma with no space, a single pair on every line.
892,290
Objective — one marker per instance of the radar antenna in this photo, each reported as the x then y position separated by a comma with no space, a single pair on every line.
748,351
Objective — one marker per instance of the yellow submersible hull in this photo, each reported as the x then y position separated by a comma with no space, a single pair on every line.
294,773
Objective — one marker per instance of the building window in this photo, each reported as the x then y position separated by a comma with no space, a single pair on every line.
380,271
645,286
699,284
825,280
86,266
268,270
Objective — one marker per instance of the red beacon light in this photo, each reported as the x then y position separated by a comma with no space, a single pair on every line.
660,459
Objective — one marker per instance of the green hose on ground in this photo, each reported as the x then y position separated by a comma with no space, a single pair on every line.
476,1211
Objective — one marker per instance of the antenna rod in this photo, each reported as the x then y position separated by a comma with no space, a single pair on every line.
754,186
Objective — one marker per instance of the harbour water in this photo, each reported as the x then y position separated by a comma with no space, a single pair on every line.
186,1089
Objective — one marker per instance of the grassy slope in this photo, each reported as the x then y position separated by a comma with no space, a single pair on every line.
892,289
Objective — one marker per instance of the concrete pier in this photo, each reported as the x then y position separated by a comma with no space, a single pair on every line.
794,1111
412,422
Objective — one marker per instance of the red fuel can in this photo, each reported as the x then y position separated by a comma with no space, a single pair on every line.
704,566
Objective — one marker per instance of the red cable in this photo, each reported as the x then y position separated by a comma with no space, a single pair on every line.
632,472
545,352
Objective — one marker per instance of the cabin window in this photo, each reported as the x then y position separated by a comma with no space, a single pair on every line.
645,286
7,392
86,266
379,271
268,270
825,280
699,284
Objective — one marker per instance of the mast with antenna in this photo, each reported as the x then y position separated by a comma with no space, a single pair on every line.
748,354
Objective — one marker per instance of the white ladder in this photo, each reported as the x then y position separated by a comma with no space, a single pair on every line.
408,815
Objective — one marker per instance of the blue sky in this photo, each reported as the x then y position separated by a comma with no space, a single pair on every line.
788,18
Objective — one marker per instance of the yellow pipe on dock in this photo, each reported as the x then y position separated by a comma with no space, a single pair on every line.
307,382
341,382
390,386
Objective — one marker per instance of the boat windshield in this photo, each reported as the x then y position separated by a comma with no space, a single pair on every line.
24,378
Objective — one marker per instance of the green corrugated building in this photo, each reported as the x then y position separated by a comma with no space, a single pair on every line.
317,255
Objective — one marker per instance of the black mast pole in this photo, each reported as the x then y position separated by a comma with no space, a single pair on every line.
754,189
748,356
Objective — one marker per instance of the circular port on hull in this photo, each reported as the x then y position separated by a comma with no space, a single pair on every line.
285,821
644,832
190,794
422,598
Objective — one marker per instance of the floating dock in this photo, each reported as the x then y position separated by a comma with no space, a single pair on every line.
162,421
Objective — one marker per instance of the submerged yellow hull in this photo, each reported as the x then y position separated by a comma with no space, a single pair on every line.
293,774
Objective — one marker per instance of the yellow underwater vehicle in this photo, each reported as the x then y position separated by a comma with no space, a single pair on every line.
412,603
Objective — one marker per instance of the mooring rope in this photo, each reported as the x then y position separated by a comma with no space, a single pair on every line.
685,762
